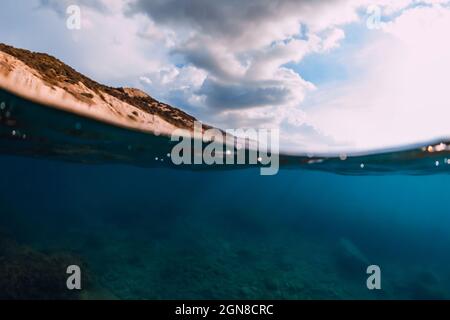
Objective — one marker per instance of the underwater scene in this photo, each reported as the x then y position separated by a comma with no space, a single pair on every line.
187,152
77,191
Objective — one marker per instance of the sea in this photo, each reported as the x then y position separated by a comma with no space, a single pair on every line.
74,191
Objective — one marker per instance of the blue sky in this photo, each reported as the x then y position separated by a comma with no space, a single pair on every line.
317,70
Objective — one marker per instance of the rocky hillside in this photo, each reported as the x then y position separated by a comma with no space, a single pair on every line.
44,78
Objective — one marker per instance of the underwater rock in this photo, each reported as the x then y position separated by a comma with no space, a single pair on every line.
419,291
29,274
247,292
428,277
425,286
350,259
7,245
270,284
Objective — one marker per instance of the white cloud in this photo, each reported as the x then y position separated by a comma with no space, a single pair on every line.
229,62
145,80
403,96
109,47
244,46
179,84
333,39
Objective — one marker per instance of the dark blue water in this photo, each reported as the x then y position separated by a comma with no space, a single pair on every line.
154,232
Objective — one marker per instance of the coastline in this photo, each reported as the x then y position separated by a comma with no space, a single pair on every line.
23,81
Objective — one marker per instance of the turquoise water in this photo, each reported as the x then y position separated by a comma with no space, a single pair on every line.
75,190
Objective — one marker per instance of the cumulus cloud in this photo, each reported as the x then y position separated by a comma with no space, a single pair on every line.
247,24
402,97
233,63
176,84
333,39
244,47
109,46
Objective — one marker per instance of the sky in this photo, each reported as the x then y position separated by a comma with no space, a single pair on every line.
331,75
